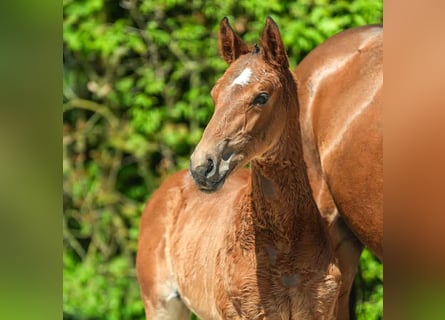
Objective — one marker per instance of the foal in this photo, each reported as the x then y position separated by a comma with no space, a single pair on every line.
229,245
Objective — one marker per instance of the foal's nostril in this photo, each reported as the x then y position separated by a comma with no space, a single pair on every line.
210,166
226,154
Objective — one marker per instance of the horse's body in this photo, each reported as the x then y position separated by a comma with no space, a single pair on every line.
340,97
255,247
198,255
183,231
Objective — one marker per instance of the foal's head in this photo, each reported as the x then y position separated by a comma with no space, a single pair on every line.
252,101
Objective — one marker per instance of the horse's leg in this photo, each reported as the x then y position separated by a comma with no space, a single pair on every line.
159,294
347,250
171,309
156,279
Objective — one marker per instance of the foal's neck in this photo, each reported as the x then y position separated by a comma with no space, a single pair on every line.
281,192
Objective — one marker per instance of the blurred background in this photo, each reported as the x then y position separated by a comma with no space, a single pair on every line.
136,97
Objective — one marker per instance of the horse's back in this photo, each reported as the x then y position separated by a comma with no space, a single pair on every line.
340,95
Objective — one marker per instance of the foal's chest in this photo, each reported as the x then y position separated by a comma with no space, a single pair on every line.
260,283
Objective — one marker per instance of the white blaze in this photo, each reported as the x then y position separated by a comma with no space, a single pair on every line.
243,78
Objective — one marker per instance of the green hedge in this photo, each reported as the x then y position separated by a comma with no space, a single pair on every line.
137,77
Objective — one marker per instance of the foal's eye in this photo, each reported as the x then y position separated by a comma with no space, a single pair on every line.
261,99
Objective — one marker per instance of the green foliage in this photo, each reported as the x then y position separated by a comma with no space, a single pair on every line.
369,287
137,78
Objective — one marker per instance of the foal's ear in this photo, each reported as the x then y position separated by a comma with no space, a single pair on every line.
230,45
273,48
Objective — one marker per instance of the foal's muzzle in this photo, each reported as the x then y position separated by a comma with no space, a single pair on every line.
209,173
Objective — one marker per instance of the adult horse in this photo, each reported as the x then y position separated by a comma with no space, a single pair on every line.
229,245
339,86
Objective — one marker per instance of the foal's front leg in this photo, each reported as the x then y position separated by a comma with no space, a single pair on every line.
159,293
